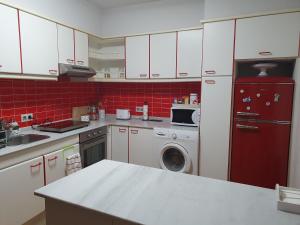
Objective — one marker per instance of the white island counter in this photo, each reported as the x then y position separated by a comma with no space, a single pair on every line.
109,190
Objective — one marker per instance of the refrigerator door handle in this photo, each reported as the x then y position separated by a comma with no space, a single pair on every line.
247,114
246,127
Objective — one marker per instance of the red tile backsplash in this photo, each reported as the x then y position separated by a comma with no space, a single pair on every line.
159,96
54,100
45,99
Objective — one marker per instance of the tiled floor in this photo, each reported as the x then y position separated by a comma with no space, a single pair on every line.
38,220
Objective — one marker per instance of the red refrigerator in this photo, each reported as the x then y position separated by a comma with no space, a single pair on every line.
261,132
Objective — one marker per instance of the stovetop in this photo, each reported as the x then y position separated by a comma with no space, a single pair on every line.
63,126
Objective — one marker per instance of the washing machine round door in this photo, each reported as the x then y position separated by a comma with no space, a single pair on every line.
175,158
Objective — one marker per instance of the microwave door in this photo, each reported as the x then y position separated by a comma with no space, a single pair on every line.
183,116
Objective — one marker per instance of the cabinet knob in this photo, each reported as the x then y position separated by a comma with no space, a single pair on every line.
265,53
210,71
52,159
183,74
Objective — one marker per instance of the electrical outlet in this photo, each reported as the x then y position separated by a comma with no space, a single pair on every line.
26,117
139,109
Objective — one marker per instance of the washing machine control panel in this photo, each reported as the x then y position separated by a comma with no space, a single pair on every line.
174,136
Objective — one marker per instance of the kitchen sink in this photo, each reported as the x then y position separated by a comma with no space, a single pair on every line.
25,139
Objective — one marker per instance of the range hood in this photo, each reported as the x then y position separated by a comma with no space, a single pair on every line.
73,71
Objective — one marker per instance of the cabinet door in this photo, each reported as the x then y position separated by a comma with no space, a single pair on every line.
215,126
18,184
10,61
137,57
273,36
189,53
54,166
163,55
119,145
81,48
108,143
65,44
218,47
141,147
39,45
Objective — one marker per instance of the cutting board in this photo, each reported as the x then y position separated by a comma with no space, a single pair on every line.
77,112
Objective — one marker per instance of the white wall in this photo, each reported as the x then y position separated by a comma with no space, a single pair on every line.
79,14
294,173
152,17
224,8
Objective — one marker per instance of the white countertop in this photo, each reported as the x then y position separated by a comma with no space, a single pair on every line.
157,197
110,120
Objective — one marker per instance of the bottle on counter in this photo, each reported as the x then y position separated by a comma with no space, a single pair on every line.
145,111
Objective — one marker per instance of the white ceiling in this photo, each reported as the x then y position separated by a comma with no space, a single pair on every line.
105,4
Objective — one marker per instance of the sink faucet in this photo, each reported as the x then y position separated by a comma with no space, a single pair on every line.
9,127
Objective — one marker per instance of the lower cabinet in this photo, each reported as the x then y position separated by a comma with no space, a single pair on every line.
141,146
55,163
119,144
17,185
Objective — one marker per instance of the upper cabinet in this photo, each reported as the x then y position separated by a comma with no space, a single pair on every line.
189,53
107,57
163,55
81,48
65,44
137,57
10,61
39,45
273,36
218,48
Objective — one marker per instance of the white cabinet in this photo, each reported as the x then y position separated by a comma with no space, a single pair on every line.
65,44
119,145
215,126
163,55
39,45
18,184
108,142
273,36
55,163
137,57
10,61
218,48
141,151
81,48
189,53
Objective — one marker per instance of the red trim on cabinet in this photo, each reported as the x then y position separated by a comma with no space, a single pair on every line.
125,56
74,47
45,183
149,58
20,41
176,69
232,105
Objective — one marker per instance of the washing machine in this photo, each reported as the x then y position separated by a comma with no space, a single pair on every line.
176,150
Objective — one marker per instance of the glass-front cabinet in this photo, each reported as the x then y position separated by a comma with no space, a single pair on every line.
107,57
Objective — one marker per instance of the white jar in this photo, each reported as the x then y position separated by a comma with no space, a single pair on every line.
194,99
145,111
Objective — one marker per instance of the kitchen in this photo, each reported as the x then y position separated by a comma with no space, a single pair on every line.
122,117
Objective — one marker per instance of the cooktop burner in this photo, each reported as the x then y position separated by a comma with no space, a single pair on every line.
62,126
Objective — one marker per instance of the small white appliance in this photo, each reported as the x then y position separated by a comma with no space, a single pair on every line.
185,115
123,114
176,150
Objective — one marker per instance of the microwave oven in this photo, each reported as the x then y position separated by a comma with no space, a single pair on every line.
185,115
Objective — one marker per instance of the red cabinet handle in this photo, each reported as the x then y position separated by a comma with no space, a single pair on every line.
0,66
80,62
143,75
265,53
155,75
210,71
54,158
36,165
52,71
246,127
70,60
183,74
134,131
210,82
122,130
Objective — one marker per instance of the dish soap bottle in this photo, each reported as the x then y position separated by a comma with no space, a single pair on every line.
145,111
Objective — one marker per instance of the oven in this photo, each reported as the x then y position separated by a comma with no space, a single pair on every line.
93,147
